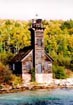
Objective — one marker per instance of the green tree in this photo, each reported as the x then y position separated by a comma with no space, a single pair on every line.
59,72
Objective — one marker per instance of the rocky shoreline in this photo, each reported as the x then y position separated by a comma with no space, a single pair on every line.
56,83
32,87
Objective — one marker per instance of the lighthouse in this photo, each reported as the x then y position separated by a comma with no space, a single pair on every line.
34,57
42,62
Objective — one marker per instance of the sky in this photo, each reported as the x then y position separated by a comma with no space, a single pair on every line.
27,9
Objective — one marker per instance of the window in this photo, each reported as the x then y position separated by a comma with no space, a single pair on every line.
39,42
13,66
39,54
50,66
28,65
39,68
46,65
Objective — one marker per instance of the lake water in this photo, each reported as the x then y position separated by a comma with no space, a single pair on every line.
39,97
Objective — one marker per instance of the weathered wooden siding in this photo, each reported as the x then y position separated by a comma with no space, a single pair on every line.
27,65
42,63
39,51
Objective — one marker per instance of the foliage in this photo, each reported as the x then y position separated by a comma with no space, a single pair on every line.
59,42
16,80
5,74
32,75
6,57
7,77
59,72
12,34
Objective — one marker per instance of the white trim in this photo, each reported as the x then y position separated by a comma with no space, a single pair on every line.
26,56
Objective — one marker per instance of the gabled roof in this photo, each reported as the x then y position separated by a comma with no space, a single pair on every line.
22,53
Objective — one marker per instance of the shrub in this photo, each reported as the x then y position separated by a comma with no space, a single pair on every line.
16,80
7,77
5,74
59,72
33,75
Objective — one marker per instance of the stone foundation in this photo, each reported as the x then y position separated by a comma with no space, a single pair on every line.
39,78
44,78
26,78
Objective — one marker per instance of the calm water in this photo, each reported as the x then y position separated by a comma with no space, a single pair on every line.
40,97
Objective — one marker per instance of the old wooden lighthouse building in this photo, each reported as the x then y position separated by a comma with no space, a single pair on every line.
34,57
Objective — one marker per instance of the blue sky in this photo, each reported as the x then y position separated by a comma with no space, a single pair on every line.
27,9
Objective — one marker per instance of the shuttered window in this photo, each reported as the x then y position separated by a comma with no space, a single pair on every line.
39,42
28,65
39,68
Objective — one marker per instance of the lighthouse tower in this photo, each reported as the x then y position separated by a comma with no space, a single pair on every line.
41,61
